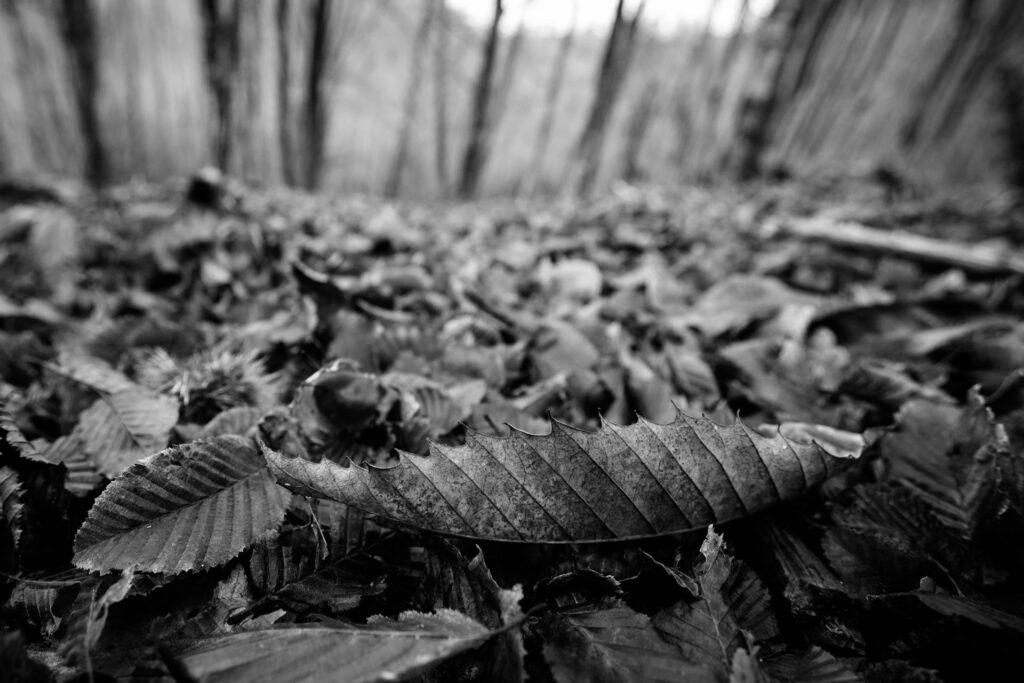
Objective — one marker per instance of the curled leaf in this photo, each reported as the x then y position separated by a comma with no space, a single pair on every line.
621,482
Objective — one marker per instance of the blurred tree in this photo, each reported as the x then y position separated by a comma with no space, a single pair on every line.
535,169
639,122
316,104
441,98
473,160
758,106
79,24
393,184
684,85
221,38
614,65
284,106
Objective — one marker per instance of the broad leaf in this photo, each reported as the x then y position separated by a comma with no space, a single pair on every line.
639,480
123,427
732,608
383,650
88,618
93,372
332,589
814,666
189,507
948,457
11,516
13,441
44,603
616,644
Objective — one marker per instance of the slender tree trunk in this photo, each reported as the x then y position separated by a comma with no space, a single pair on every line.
472,162
222,40
614,65
315,128
284,68
758,107
441,98
392,187
536,168
639,123
79,20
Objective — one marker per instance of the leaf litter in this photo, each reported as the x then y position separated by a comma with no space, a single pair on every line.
292,439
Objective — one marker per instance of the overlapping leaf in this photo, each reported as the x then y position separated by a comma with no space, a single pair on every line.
11,514
383,650
616,644
621,482
732,608
189,507
123,427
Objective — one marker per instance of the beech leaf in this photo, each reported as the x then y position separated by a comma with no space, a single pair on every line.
733,608
383,650
616,644
123,427
189,507
621,482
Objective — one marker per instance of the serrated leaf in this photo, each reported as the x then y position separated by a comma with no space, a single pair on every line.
93,372
122,427
973,610
83,478
622,482
11,511
189,507
814,666
733,607
617,644
88,618
44,603
237,420
383,650
332,589
12,438
948,457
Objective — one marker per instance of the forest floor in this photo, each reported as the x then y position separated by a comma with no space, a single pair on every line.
203,404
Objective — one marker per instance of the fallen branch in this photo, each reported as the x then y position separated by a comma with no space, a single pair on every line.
977,258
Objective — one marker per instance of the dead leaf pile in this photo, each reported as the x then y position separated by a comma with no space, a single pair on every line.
653,437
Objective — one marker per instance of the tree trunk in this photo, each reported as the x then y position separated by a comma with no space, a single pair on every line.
547,121
441,98
639,122
393,185
222,40
315,115
284,108
80,33
758,107
472,162
617,54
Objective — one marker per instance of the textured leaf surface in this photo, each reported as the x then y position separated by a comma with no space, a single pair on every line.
381,651
88,618
92,372
43,603
733,606
616,644
621,482
330,589
12,438
11,511
188,507
123,427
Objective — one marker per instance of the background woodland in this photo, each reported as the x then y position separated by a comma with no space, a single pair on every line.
403,97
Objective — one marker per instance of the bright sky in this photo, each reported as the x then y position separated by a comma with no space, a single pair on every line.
555,16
